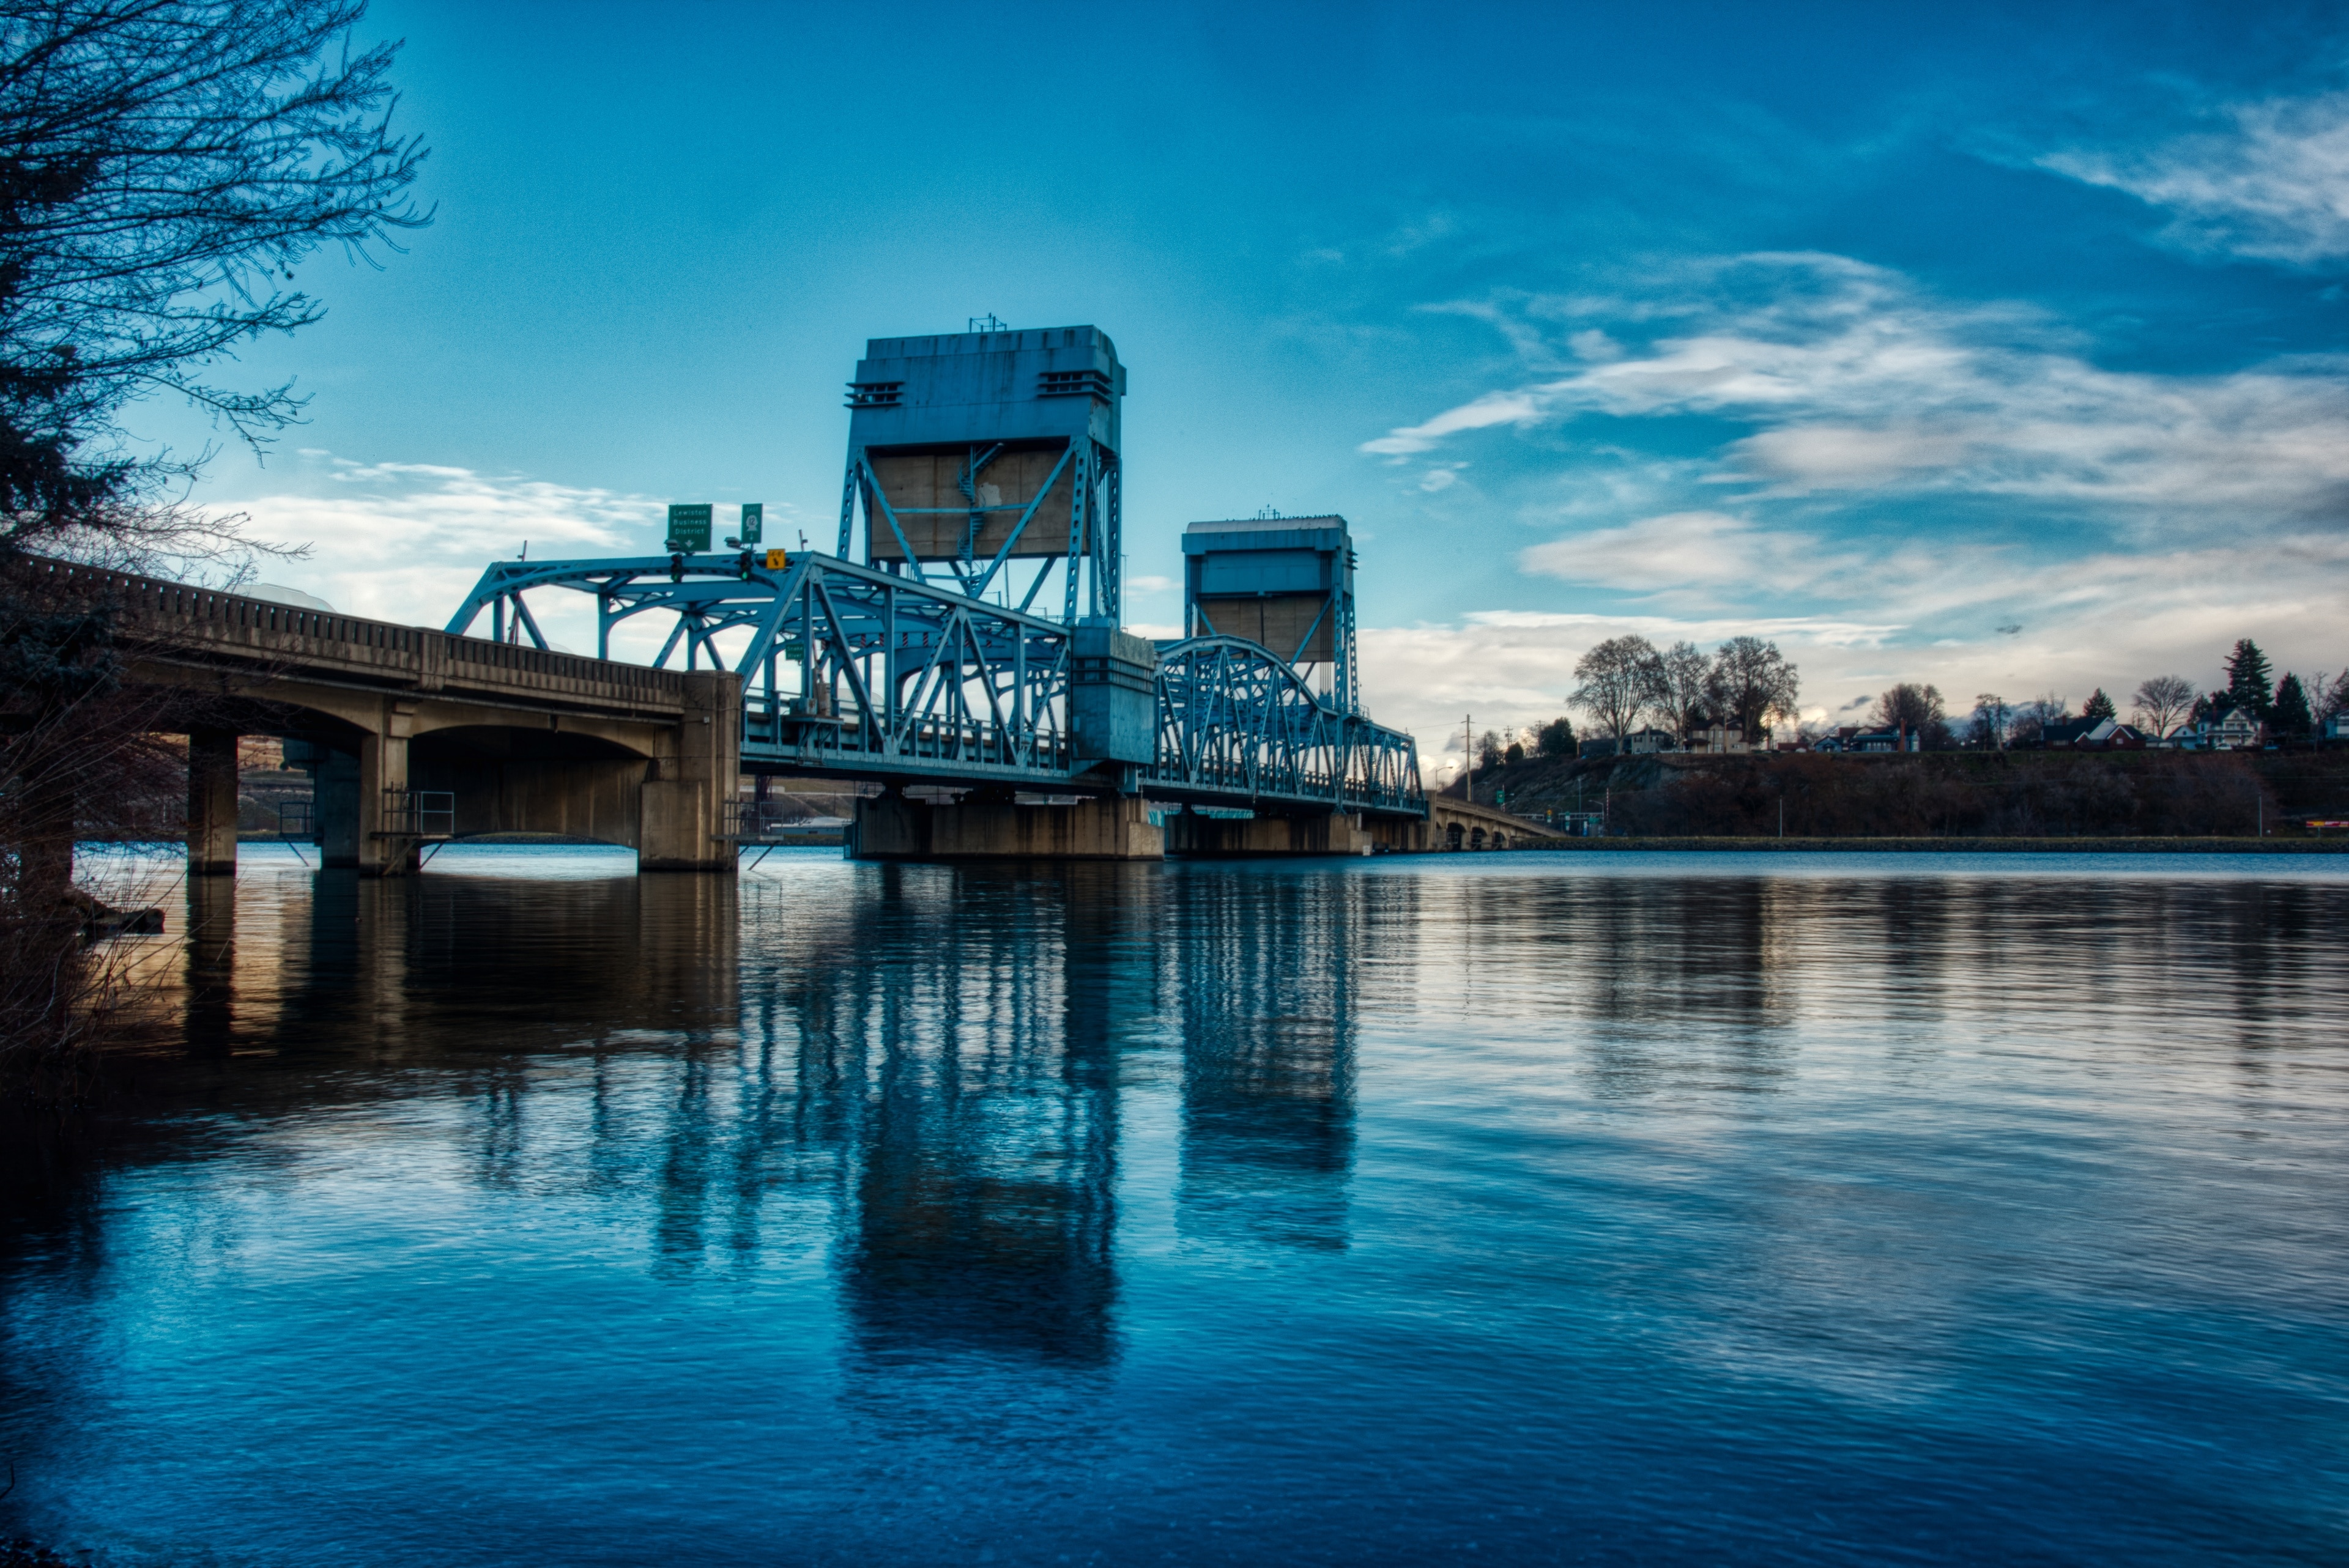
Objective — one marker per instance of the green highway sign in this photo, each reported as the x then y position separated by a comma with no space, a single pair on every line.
688,528
754,522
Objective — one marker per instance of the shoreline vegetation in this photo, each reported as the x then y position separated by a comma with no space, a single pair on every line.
1949,799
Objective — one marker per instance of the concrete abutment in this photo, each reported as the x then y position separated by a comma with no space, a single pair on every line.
894,826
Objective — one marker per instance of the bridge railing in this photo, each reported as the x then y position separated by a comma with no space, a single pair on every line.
184,614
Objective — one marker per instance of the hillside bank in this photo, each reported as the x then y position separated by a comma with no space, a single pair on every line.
2032,794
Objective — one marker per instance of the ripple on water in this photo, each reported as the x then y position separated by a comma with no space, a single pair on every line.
1657,1208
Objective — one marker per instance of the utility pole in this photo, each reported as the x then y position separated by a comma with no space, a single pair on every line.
1468,752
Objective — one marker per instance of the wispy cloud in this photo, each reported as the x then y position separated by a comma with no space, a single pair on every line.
405,542
1845,378
1689,552
2109,619
2271,182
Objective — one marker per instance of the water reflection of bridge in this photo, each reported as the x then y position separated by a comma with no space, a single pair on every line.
918,1070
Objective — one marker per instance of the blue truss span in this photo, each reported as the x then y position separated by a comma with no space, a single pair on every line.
857,672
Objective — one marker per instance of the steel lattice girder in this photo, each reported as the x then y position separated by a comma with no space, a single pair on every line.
1237,720
900,679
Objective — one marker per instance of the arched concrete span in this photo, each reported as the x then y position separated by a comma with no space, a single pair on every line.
1457,824
525,739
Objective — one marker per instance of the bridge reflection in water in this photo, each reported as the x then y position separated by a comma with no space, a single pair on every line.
912,1073
851,1213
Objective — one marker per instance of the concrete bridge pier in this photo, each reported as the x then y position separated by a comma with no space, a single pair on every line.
694,773
353,797
992,826
1318,833
211,802
1321,834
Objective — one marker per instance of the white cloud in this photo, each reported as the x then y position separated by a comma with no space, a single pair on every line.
1492,408
2108,620
1595,344
1153,585
2273,184
406,542
1683,552
1849,379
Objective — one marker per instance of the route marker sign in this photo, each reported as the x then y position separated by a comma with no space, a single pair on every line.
754,522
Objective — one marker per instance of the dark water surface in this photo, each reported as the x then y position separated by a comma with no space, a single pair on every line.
1623,1209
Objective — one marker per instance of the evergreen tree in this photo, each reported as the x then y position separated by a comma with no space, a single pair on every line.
2247,680
2099,707
2292,718
1557,737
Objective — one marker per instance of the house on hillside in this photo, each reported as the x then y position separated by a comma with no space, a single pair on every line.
1718,741
2065,733
1882,740
2237,731
2234,731
2095,735
1639,743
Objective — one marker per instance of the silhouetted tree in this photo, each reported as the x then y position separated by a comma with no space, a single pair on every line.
164,165
1489,749
1915,710
1988,726
2098,706
2292,719
2331,696
2247,680
1555,738
2032,719
1616,681
1750,683
1679,677
2164,702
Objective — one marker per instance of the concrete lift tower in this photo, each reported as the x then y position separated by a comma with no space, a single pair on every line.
971,455
1284,582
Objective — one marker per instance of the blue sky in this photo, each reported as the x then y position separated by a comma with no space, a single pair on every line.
2007,350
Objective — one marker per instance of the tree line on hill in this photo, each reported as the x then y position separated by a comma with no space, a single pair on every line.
1749,687
2289,710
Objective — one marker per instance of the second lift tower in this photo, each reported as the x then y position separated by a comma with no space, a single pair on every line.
1285,584
973,456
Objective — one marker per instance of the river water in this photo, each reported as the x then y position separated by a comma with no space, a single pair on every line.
1534,1208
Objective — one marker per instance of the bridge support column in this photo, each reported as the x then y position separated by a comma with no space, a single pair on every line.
334,810
683,823
382,780
892,828
1325,833
211,802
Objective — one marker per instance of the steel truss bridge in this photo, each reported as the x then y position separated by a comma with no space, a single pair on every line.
859,672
